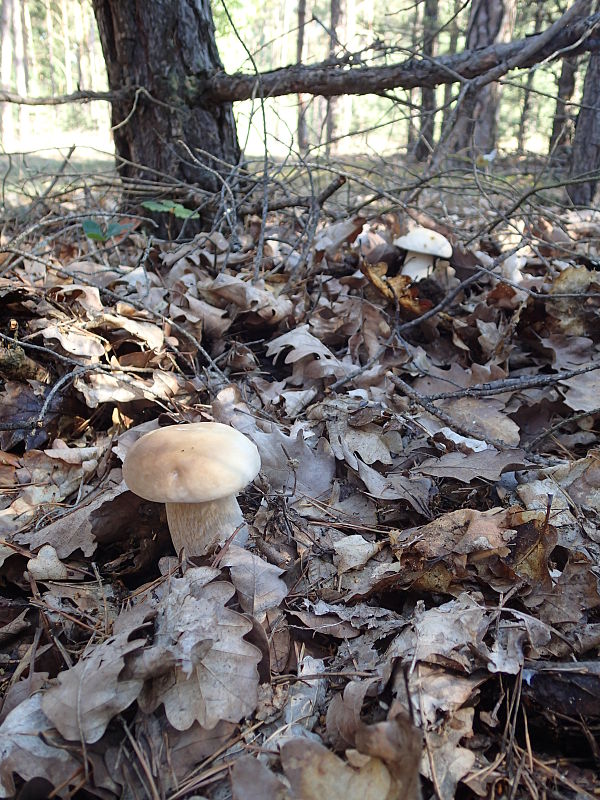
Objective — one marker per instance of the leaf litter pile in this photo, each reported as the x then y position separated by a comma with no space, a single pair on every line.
415,613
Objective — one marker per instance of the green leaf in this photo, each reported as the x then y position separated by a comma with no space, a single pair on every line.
170,206
184,213
158,205
93,231
115,228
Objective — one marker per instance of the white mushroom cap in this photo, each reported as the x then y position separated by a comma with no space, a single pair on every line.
424,240
192,463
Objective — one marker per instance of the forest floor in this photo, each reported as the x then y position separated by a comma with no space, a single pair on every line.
416,611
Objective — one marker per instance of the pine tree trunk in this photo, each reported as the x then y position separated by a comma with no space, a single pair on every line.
411,135
168,47
562,123
20,68
31,56
79,54
19,51
526,106
346,100
453,29
475,128
302,126
23,49
97,111
50,35
425,144
67,54
586,143
332,102
6,68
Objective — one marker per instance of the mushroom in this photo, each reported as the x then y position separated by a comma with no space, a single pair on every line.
196,470
423,246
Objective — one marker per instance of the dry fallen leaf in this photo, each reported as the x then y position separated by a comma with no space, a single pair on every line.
310,357
252,780
254,297
445,762
353,552
257,582
105,518
93,691
445,634
47,565
314,773
25,749
398,744
485,465
215,677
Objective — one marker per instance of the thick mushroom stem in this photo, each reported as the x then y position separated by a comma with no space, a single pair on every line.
417,265
199,527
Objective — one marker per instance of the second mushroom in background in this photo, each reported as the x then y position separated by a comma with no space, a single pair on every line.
422,246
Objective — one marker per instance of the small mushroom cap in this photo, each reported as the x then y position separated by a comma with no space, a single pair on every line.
424,240
191,463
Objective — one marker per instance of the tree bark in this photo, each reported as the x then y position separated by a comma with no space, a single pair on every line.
302,126
327,80
332,110
19,63
50,34
586,143
6,66
67,53
425,144
347,102
79,51
23,49
31,57
168,47
453,29
526,107
563,123
411,133
490,22
90,38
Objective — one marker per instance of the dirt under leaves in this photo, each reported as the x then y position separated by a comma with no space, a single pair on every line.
416,611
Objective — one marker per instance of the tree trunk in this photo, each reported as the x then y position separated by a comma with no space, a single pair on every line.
20,69
50,34
302,126
562,123
526,107
490,22
332,102
427,120
79,51
346,100
6,66
21,31
67,54
31,57
411,134
586,143
453,30
97,110
168,47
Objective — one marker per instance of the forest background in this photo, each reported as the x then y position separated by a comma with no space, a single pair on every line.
52,48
